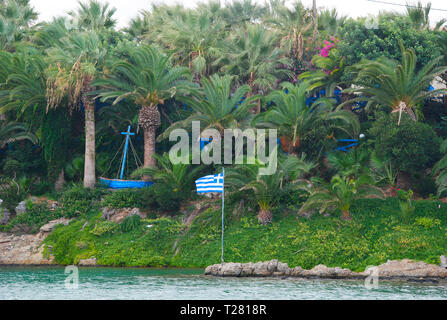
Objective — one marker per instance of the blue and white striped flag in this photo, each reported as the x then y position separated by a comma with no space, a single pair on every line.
211,183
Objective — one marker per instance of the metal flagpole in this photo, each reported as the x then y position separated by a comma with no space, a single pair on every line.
223,206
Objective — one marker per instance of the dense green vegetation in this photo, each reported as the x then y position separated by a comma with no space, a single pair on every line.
376,233
358,104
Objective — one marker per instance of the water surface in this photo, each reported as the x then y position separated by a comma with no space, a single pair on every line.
129,283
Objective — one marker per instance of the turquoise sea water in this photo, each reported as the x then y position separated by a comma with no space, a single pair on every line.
185,284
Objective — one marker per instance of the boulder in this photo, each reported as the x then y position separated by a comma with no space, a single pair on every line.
407,268
443,261
88,262
5,216
296,272
50,225
247,269
260,269
212,270
230,269
118,215
21,207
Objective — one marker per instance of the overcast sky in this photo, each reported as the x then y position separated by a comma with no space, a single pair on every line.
127,9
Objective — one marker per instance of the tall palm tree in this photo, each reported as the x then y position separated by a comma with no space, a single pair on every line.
293,25
193,38
419,16
340,194
16,17
94,16
329,21
251,55
396,84
147,79
75,60
215,106
295,119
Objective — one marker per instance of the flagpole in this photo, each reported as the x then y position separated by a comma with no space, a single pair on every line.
223,206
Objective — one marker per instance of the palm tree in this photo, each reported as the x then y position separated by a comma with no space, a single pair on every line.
294,119
24,85
178,177
394,84
340,194
193,38
16,17
74,59
330,22
293,25
420,16
251,55
240,12
15,131
94,16
216,107
265,190
147,79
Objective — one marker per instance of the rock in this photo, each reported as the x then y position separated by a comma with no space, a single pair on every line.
21,207
5,216
260,269
443,261
296,272
23,250
88,262
407,268
231,269
247,269
50,225
118,215
398,269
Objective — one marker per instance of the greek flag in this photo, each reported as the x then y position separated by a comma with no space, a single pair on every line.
211,183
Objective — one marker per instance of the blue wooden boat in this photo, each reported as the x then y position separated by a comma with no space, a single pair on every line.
121,183
125,184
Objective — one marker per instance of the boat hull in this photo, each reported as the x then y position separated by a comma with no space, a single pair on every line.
125,184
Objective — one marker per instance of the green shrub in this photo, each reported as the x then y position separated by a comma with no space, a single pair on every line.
11,194
130,223
427,223
35,217
78,192
411,146
166,199
129,198
425,186
103,227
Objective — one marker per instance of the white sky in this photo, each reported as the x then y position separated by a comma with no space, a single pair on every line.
127,9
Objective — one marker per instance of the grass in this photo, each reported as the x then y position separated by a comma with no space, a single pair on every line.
374,235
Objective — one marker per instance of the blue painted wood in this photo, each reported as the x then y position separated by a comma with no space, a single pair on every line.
125,184
127,134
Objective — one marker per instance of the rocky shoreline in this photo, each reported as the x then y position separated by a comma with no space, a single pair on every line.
406,269
27,249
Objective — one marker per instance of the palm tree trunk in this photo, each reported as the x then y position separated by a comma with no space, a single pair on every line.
314,17
149,146
89,163
264,216
149,119
59,184
346,215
